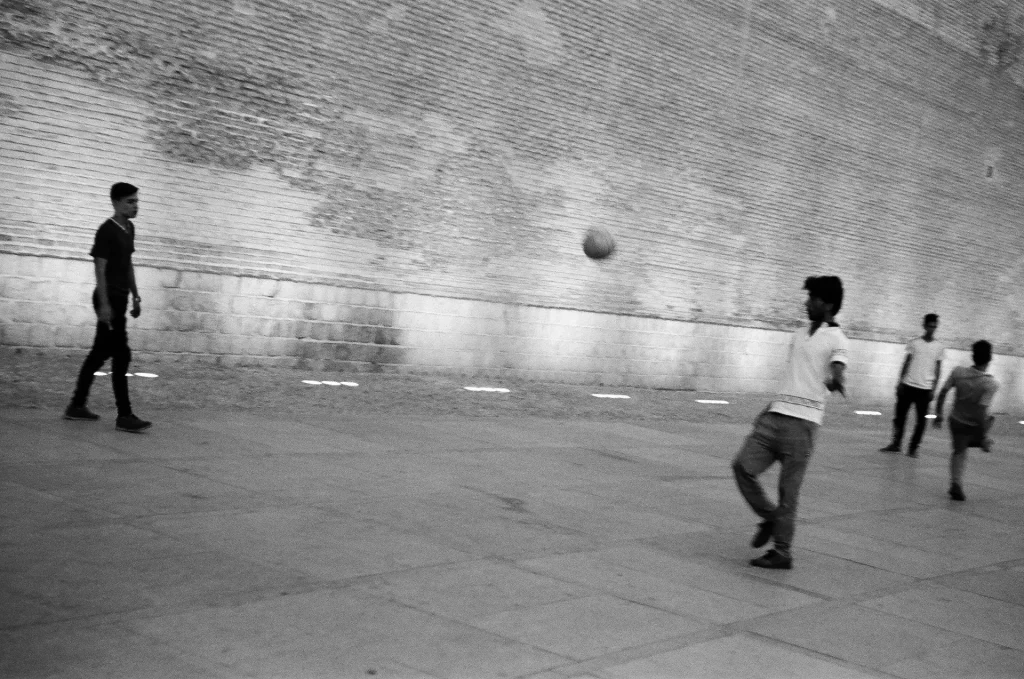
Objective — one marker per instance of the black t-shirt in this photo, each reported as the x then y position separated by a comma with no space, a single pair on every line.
115,245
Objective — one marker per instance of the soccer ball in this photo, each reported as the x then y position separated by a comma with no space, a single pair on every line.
598,244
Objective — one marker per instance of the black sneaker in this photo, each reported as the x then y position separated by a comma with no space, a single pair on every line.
891,448
773,560
132,424
957,493
763,534
80,413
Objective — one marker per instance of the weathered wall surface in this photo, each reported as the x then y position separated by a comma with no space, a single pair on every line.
242,320
433,152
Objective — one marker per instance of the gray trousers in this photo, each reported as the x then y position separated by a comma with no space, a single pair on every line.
790,442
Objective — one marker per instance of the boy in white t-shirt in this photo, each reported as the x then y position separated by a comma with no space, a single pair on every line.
784,432
916,386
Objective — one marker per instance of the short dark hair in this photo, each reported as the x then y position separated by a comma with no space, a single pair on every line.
122,190
829,289
981,351
931,318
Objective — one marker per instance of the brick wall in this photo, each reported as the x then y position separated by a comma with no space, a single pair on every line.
454,153
241,320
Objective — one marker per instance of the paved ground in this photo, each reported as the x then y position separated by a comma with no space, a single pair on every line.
409,528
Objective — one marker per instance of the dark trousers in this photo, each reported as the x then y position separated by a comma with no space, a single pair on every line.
790,442
965,436
111,342
907,396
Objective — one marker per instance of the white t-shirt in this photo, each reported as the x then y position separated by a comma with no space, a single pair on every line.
802,392
923,355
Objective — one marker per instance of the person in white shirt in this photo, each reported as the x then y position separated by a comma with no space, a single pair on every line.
970,421
916,386
785,431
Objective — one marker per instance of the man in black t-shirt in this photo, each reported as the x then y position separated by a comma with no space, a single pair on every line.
115,281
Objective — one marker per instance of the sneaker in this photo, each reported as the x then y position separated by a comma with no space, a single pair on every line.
957,493
764,533
80,413
132,424
774,560
986,444
891,448
912,452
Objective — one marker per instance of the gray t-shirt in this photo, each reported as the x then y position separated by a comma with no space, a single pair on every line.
974,392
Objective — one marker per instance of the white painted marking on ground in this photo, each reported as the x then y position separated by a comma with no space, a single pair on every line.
150,375
712,400
609,395
311,382
867,412
349,384
929,417
499,390
99,373
331,383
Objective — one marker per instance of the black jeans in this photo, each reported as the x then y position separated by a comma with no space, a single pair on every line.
905,397
111,342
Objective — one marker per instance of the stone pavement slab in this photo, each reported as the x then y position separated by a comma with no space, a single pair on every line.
398,541
738,655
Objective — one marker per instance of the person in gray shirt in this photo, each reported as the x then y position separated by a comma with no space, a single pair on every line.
970,421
